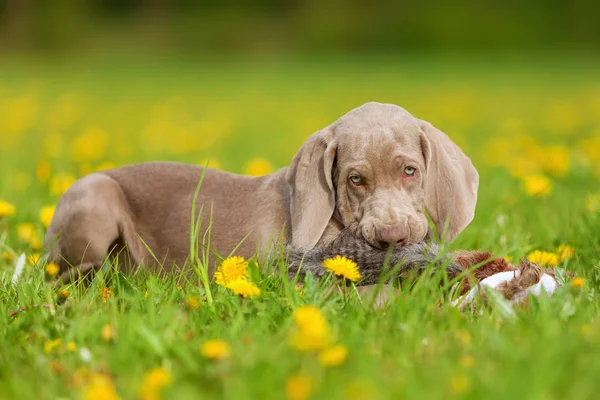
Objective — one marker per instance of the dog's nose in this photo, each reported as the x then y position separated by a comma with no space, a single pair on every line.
392,236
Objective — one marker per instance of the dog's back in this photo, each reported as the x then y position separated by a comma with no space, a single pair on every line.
127,210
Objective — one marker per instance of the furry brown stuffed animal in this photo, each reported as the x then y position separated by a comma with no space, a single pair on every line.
474,269
515,283
410,258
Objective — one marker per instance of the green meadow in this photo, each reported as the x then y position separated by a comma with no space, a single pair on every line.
530,124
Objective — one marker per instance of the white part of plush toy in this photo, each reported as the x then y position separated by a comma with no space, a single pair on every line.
547,283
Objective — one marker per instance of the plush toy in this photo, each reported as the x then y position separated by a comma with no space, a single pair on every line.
515,283
474,269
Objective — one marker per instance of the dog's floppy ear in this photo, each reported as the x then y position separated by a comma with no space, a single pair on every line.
312,194
452,182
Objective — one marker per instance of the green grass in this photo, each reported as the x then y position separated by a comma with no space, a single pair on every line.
419,346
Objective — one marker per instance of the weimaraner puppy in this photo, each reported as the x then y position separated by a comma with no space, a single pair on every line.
377,166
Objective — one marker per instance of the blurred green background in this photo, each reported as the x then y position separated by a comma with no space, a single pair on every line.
234,26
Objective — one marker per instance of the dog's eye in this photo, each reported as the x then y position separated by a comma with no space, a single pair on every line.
356,180
410,171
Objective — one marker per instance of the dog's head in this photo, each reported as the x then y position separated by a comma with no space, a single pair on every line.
381,168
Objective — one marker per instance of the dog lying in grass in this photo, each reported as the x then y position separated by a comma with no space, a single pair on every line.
472,270
142,213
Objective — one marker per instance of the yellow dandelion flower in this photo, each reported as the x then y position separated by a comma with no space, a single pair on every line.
313,332
215,349
258,167
154,381
60,183
91,145
333,356
556,161
537,185
43,171
298,387
578,282
28,233
105,293
592,203
7,209
51,345
7,256
71,347
63,294
33,259
100,388
460,384
192,302
308,316
52,269
543,258
231,269
343,266
16,116
244,288
46,214
520,167
107,333
564,251
307,341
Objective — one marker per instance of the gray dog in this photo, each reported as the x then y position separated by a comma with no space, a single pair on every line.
377,167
